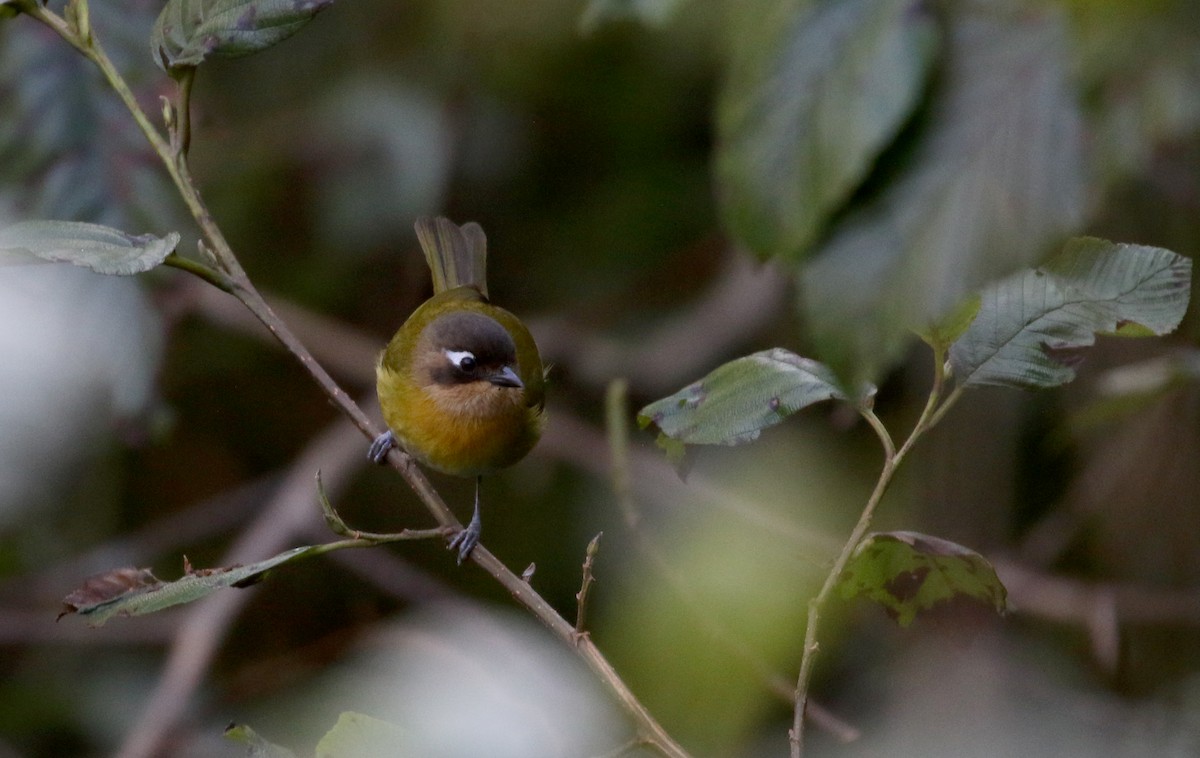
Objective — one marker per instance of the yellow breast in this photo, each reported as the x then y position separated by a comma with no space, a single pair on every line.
464,430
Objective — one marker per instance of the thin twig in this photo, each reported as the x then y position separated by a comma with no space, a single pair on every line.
581,597
935,409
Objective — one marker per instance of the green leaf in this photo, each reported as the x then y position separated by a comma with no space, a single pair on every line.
993,179
1032,325
800,125
102,249
357,735
134,592
908,572
942,333
188,31
256,746
739,399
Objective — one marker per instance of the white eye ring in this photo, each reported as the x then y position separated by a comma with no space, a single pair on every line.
462,359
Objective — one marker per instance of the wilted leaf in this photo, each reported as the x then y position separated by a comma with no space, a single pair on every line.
1032,326
259,747
739,399
108,587
357,735
102,249
154,595
908,573
801,123
994,179
189,31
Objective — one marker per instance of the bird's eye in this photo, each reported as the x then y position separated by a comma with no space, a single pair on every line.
464,360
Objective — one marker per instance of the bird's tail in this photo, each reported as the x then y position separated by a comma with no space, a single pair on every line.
457,255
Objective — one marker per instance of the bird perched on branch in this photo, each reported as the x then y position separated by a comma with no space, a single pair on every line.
461,383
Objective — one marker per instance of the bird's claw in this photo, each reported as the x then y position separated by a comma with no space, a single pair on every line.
380,446
466,540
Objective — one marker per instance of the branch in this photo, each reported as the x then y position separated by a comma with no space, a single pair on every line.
191,654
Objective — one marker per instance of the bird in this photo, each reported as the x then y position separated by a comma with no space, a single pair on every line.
461,383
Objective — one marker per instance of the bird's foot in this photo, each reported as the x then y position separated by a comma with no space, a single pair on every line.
380,447
466,540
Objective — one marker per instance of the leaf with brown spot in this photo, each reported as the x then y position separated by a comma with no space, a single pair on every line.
910,573
134,592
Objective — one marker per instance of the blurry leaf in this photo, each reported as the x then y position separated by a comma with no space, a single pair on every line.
67,147
385,158
1138,64
1032,325
800,125
995,177
1125,390
189,31
942,333
100,248
649,12
908,573
151,595
737,400
357,735
256,746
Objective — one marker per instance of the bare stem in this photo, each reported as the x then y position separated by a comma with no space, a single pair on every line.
809,655
935,409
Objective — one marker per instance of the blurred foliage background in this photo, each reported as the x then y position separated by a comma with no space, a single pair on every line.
665,186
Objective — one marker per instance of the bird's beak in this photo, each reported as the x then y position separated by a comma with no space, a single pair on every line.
506,377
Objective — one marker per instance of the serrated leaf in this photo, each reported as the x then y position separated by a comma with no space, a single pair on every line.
357,735
189,31
256,745
151,595
1149,287
908,573
739,399
101,248
800,125
1032,326
994,178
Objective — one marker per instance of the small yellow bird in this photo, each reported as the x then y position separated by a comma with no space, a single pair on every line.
461,383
